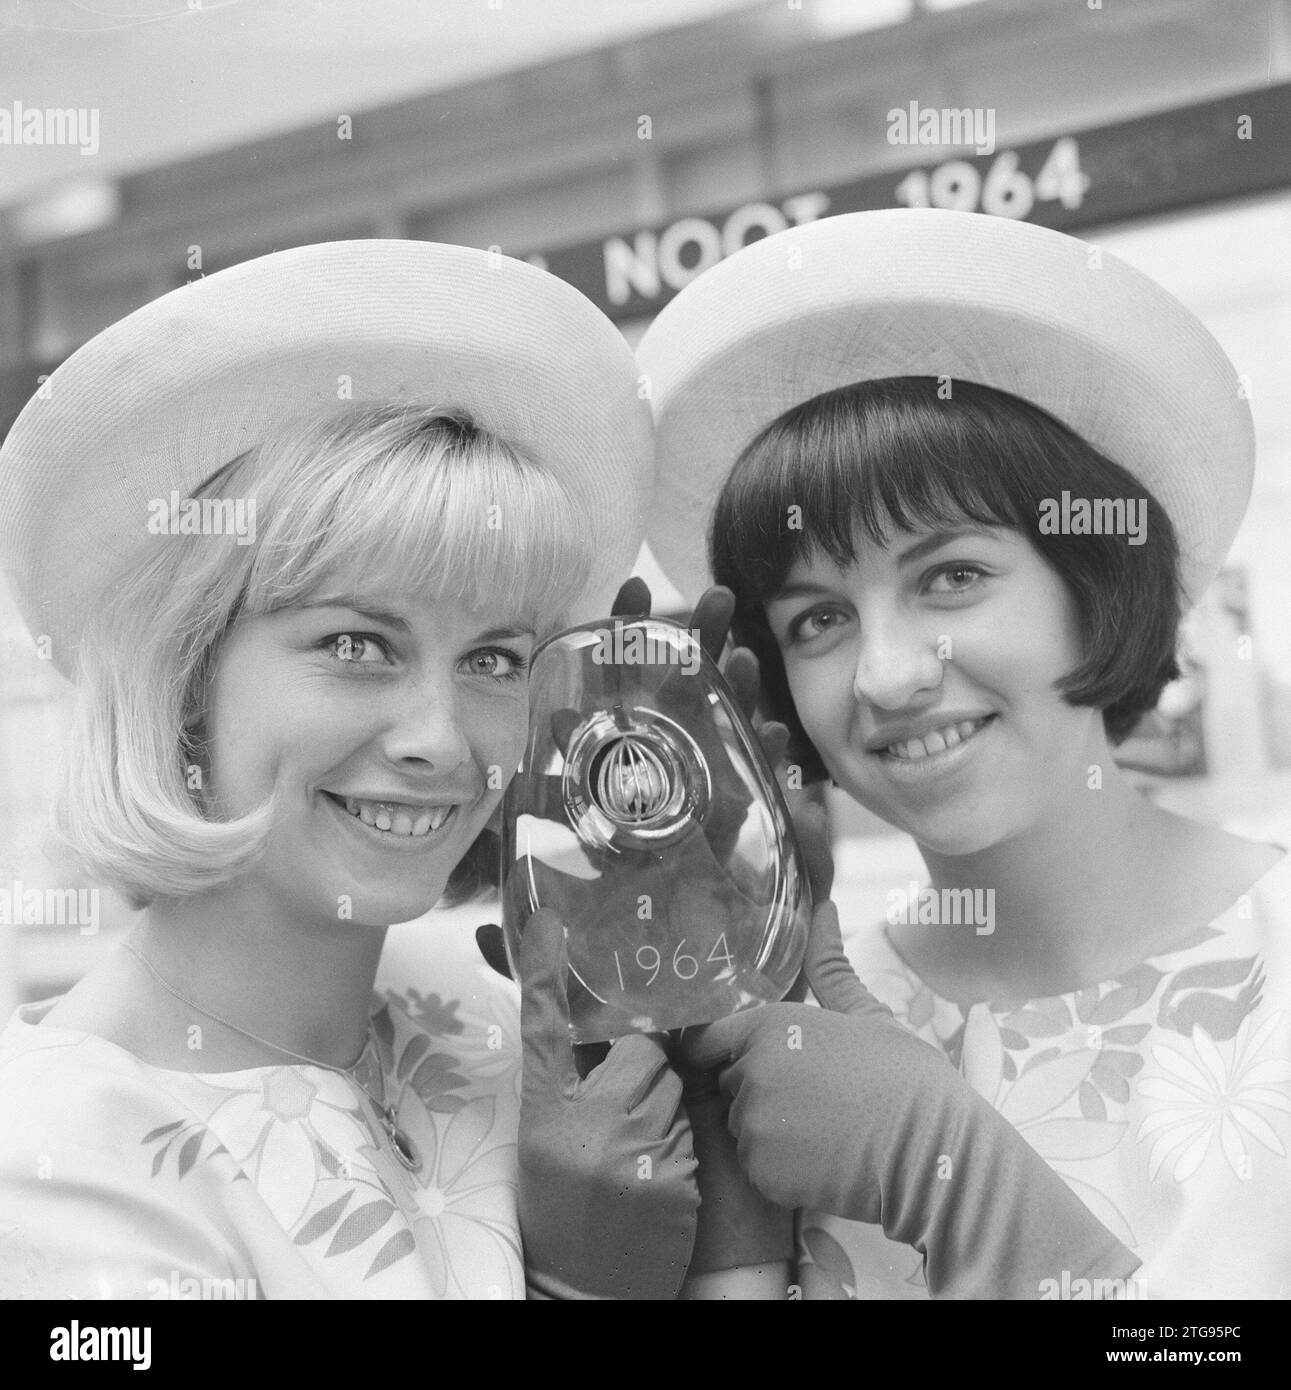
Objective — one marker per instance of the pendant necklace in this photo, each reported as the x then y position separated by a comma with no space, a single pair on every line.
404,1149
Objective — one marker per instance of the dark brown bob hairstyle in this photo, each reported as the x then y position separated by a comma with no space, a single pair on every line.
871,460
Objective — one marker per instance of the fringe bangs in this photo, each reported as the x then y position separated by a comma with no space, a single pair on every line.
436,508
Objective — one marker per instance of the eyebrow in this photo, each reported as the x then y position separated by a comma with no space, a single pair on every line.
375,614
796,591
917,551
495,633
939,538
361,606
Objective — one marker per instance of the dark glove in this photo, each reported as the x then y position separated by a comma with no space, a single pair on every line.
738,1226
608,1196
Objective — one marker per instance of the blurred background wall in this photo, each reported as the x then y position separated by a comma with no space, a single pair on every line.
627,146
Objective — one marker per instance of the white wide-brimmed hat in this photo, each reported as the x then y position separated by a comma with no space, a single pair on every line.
922,292
165,398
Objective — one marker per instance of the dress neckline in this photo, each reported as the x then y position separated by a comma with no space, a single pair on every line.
26,1020
1260,885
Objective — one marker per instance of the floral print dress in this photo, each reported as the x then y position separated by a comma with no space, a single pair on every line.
1162,1097
122,1180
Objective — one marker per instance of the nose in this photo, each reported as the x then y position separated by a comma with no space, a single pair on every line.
425,726
897,662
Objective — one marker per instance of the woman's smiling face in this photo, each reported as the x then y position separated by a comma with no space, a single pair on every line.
924,675
385,729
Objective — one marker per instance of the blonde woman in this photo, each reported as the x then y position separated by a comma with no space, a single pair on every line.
296,530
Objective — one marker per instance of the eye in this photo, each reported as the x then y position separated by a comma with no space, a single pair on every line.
816,622
356,648
959,578
497,663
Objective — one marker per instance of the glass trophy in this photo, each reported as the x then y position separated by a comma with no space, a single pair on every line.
644,814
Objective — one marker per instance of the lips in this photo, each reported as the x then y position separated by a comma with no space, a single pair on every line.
933,741
402,819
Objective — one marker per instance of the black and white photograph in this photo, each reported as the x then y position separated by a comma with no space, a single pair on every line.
645,655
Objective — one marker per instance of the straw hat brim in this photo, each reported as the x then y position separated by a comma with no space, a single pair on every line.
922,292
163,399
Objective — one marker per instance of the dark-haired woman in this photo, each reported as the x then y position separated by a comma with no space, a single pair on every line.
963,475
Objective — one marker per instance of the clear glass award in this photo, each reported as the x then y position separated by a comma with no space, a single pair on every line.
644,814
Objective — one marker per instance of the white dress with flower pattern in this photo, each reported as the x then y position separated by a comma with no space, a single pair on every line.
122,1180
1162,1097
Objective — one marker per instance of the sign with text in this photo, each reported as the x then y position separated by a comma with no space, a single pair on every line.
1219,149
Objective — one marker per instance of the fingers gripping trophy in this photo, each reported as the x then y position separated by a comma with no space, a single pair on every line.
646,816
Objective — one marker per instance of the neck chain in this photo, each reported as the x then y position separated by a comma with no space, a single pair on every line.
405,1150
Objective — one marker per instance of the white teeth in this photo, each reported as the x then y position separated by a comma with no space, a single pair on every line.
396,819
935,741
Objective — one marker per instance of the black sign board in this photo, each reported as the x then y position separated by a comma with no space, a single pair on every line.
1219,149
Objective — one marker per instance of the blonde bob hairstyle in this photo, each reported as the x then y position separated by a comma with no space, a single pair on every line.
429,501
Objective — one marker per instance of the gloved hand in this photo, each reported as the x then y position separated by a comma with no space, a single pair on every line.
738,1227
843,1110
608,1195
711,620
